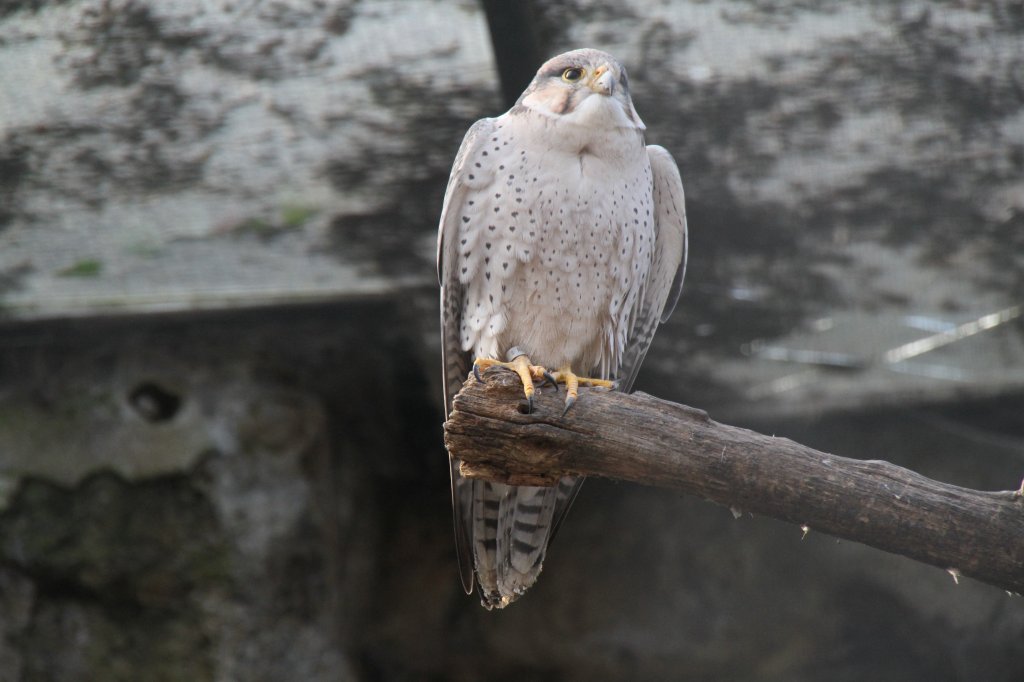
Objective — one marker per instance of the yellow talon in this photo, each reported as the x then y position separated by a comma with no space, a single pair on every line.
521,365
573,382
528,373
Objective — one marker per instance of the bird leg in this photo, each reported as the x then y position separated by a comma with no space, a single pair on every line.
573,382
521,365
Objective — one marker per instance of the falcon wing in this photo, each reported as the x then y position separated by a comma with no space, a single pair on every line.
456,361
665,281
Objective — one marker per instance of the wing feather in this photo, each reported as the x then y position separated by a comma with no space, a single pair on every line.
665,282
455,361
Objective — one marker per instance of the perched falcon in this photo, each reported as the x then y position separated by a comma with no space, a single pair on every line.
562,246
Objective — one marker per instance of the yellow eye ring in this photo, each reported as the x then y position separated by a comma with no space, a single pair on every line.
572,74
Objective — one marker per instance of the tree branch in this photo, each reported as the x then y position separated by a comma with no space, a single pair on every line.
646,440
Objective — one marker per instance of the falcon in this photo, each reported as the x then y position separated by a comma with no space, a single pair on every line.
562,246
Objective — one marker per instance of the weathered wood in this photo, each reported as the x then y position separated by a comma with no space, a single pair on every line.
646,440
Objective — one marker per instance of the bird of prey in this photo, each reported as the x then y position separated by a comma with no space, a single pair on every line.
562,246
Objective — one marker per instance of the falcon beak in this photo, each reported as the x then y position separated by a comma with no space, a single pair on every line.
603,80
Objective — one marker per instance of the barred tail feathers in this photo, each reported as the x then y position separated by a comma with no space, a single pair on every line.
512,527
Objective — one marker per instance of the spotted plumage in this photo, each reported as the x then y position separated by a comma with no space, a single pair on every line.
562,237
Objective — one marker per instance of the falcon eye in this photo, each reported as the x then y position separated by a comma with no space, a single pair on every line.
572,74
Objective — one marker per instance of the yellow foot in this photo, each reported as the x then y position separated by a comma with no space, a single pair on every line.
529,373
573,382
521,365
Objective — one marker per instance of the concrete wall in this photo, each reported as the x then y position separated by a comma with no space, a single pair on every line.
220,453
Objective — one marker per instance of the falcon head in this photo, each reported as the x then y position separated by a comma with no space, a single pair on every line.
588,87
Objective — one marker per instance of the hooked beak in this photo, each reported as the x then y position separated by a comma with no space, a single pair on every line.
603,80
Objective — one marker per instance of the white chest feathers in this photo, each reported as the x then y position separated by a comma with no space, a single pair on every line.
556,241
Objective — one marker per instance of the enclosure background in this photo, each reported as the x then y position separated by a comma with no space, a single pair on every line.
220,417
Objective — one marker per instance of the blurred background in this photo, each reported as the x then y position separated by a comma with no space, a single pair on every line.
220,404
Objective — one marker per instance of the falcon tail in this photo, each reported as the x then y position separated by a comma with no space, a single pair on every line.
511,529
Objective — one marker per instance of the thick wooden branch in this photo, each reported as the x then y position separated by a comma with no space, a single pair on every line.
643,439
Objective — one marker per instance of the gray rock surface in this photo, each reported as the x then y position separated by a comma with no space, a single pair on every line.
175,156
195,518
220,453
